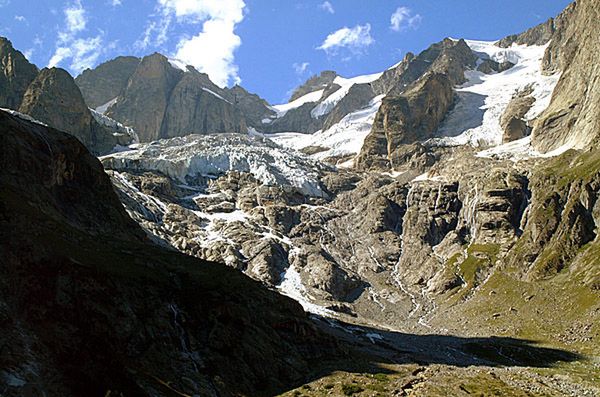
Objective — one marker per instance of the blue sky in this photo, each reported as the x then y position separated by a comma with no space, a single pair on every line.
270,46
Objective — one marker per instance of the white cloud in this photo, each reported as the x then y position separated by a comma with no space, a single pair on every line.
75,17
155,33
327,6
29,53
4,3
83,52
60,54
212,50
355,39
403,18
20,18
116,3
300,68
86,53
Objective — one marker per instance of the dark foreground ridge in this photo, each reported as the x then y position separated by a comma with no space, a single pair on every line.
88,305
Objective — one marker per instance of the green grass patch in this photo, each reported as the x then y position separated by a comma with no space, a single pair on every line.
350,389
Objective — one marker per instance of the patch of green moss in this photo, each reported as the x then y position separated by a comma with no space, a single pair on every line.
571,166
478,258
350,389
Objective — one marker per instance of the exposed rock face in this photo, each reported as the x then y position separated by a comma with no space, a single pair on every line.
16,73
405,119
163,101
448,57
563,46
299,119
315,83
573,115
92,308
513,121
561,219
419,93
53,98
254,108
195,106
452,59
538,35
489,66
105,82
144,101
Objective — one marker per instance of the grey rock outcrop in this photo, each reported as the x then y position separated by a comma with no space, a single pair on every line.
561,220
450,57
254,108
489,66
194,105
54,98
513,121
411,117
299,119
573,116
143,103
105,82
538,35
16,73
419,93
315,83
163,101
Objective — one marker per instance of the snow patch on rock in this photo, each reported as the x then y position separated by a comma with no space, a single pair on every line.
103,108
215,94
292,287
522,150
178,64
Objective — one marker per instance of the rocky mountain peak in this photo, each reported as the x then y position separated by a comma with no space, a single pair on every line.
105,82
143,102
15,75
54,98
315,83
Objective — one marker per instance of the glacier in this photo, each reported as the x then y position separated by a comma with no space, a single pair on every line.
215,155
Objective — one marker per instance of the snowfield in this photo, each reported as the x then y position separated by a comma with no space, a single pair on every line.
475,119
281,110
215,155
345,138
327,105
